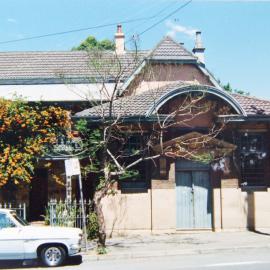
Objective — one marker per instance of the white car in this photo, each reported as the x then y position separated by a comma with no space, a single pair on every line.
20,241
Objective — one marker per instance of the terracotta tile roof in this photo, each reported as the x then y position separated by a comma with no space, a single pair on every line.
75,64
168,49
138,105
253,105
67,64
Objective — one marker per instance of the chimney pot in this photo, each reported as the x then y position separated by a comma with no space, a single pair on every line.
119,40
119,28
198,42
199,48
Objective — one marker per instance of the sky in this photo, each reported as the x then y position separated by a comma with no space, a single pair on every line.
236,34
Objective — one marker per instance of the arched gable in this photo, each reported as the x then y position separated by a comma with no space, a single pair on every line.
227,98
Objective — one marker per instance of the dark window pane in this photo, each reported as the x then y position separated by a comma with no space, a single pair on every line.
252,155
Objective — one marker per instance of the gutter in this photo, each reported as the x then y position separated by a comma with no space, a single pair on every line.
153,118
241,118
56,80
125,119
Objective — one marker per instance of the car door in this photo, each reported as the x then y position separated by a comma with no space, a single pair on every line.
11,239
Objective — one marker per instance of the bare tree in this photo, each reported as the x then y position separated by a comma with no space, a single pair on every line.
106,129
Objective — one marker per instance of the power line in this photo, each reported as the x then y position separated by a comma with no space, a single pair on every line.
84,29
73,31
161,20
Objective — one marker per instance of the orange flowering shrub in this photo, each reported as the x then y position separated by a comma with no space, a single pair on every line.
25,131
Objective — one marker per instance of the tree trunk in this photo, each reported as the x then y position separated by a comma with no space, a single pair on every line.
100,216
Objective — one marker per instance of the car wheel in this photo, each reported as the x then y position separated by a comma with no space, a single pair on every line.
53,255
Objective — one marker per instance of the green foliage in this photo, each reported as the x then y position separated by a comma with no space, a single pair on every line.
47,216
92,143
81,126
227,87
106,44
101,183
62,214
101,250
92,227
129,174
91,43
204,158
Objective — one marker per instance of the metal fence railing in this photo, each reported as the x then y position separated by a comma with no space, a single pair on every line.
64,213
19,208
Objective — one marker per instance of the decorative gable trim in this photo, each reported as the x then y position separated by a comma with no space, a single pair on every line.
196,88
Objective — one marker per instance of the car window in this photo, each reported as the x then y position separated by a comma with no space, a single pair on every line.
5,222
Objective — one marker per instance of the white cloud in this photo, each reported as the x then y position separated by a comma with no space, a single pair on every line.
175,28
12,20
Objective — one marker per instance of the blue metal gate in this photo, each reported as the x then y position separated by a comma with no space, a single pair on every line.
193,195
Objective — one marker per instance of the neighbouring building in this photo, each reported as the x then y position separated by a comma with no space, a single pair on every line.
178,194
60,78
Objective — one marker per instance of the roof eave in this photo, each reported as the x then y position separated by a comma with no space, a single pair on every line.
53,80
243,118
123,119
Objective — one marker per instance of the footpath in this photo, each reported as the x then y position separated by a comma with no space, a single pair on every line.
146,246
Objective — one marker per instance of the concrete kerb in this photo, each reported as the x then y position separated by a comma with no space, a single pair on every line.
153,254
142,246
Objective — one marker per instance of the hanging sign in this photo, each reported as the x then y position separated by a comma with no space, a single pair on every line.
64,147
72,167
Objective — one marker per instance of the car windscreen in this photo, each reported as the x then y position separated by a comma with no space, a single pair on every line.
19,219
5,221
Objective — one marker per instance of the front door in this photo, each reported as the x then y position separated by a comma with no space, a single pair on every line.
193,196
38,198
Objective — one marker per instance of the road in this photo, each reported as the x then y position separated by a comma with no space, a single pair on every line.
248,259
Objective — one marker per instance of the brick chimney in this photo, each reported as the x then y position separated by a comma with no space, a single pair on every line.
119,40
199,48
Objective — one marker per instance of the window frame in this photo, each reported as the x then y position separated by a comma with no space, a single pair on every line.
252,176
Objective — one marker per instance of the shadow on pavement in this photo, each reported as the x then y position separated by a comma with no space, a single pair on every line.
259,232
74,260
11,264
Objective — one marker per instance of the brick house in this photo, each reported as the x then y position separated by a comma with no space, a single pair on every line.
178,194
